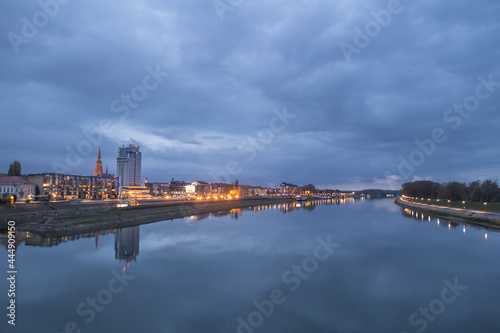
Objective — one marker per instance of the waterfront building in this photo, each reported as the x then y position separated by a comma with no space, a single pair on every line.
220,188
62,186
16,186
287,188
251,190
178,187
137,192
157,188
128,166
198,187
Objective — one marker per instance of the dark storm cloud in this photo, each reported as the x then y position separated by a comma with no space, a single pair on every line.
222,83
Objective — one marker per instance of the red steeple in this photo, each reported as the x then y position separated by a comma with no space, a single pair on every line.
98,165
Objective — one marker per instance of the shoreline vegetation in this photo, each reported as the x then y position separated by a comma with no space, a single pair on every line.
477,192
486,219
70,218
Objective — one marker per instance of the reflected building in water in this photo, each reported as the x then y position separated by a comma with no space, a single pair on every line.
34,239
127,244
127,239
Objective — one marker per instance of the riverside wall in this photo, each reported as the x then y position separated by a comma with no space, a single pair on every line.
487,219
64,219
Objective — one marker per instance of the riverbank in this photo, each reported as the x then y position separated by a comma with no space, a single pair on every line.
66,220
486,219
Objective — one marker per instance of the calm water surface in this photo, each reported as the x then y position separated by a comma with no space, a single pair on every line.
358,266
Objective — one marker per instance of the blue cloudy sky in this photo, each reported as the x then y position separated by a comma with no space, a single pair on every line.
344,94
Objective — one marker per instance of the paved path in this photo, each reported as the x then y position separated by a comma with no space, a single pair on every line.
457,211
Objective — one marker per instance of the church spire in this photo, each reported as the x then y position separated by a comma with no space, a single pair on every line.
98,165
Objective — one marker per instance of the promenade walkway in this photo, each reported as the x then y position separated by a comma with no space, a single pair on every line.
456,211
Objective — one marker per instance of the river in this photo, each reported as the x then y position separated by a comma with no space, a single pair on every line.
350,266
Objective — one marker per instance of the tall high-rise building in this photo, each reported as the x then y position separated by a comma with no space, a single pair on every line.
128,165
98,165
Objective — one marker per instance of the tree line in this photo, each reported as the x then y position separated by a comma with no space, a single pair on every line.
485,191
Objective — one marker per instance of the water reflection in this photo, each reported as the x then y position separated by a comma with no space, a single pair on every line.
427,218
217,270
284,207
126,241
127,244
34,239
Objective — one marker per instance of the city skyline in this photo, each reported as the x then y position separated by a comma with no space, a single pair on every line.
250,166
342,95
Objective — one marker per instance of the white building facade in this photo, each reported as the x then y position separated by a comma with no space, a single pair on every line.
16,186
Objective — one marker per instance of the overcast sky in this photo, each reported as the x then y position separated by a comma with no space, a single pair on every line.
333,93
